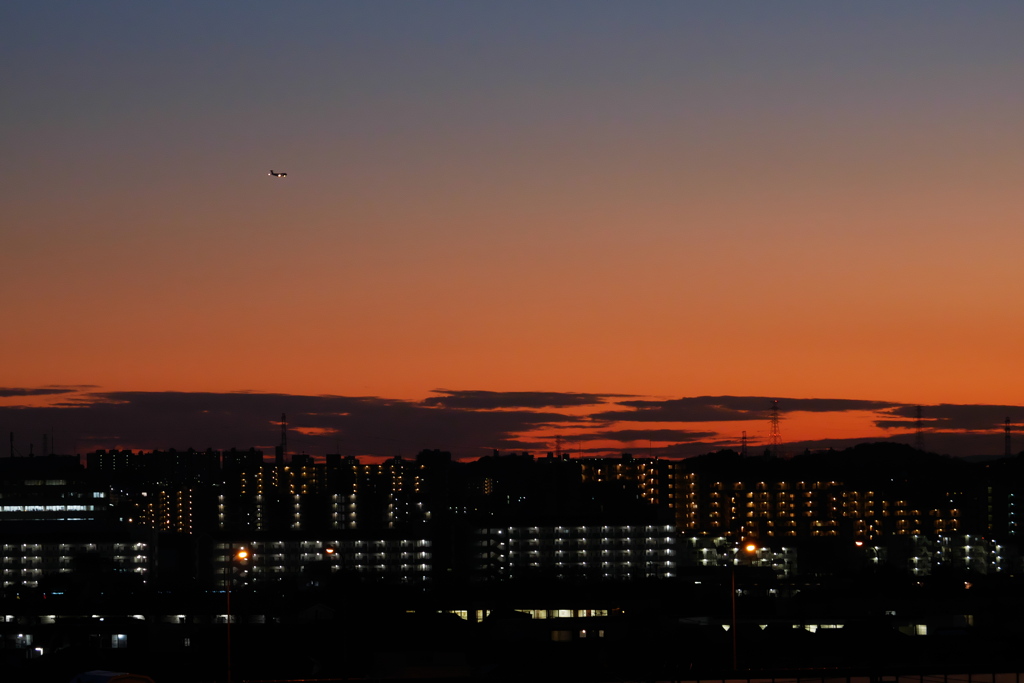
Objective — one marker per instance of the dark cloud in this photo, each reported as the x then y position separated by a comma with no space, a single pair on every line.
493,400
679,451
9,392
351,425
729,408
948,416
466,423
656,435
896,424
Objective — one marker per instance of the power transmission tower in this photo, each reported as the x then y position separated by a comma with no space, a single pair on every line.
775,435
919,435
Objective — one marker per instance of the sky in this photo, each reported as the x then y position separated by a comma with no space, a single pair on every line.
634,225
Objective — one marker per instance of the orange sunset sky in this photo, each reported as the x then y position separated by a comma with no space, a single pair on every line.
507,221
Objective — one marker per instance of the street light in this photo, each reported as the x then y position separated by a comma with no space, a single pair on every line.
333,556
750,548
242,556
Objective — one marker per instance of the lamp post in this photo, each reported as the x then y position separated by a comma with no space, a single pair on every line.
750,549
333,557
242,555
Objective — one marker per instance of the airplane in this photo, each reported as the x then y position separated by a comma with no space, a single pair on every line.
277,175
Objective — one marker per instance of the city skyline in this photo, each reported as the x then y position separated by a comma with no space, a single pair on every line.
502,224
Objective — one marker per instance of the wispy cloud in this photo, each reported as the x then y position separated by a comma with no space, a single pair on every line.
493,400
10,392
